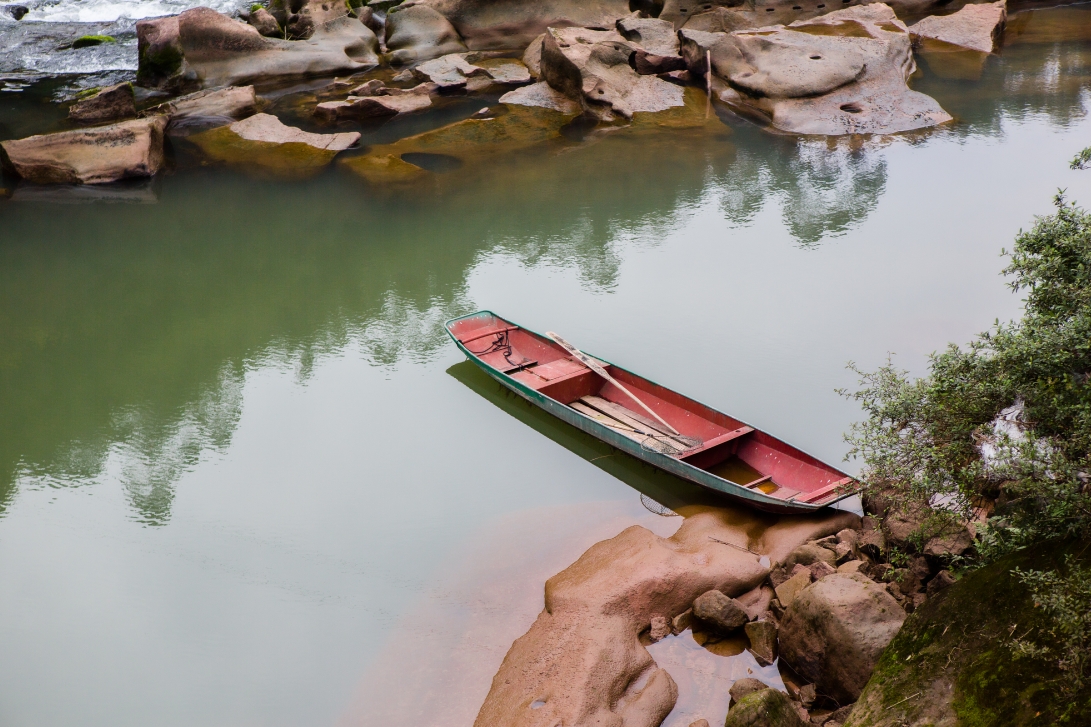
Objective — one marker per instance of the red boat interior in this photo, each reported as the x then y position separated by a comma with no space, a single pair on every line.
726,447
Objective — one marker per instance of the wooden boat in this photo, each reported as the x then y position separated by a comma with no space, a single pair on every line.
706,447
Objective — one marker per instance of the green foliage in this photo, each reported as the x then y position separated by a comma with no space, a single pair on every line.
1080,160
923,439
256,7
1065,640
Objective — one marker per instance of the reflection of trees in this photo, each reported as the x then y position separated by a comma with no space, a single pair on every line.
824,187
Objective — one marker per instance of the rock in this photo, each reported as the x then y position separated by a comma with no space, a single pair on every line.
660,628
868,522
654,36
491,25
756,602
89,41
872,543
843,552
837,717
532,57
592,67
765,708
505,71
89,156
232,103
264,22
787,591
649,64
699,723
778,575
820,570
743,688
264,145
418,33
371,107
763,641
956,539
952,663
841,73
109,104
682,621
449,71
940,581
371,21
17,11
848,536
807,694
717,610
809,554
977,27
583,650
834,632
943,536
852,566
203,47
374,87
301,19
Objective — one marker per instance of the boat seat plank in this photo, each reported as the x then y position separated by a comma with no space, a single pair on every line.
716,441
633,419
557,369
759,481
824,492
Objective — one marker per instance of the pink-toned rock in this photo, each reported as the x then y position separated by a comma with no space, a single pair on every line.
581,663
977,27
268,128
89,156
370,107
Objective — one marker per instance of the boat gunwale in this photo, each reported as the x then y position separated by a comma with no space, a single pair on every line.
703,477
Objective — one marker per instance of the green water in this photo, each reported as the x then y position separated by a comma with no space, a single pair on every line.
244,479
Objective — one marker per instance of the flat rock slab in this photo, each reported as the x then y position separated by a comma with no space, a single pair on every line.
372,107
234,102
262,145
976,27
542,95
89,156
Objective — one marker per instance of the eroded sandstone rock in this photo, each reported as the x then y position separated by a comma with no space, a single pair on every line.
841,73
203,47
371,107
89,156
207,109
580,661
492,25
109,104
418,33
835,630
976,27
592,67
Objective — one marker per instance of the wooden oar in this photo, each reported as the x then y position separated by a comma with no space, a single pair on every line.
598,369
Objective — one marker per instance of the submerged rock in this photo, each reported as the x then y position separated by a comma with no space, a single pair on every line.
89,156
203,47
371,107
264,145
16,11
108,104
975,27
835,630
541,95
764,708
841,73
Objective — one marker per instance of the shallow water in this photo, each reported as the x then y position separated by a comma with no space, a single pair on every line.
245,479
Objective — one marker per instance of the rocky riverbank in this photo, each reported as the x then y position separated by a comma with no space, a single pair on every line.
600,67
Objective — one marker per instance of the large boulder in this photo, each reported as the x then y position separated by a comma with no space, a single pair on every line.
512,25
835,630
108,104
841,73
418,33
581,662
975,27
592,68
202,47
953,662
764,708
89,156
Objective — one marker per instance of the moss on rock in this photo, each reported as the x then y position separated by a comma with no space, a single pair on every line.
87,41
952,662
764,708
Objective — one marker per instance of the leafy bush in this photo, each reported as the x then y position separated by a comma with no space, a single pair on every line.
924,439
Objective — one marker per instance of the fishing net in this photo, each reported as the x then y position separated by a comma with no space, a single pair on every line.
669,444
656,507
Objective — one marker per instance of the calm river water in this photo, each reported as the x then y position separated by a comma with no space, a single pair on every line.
245,479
